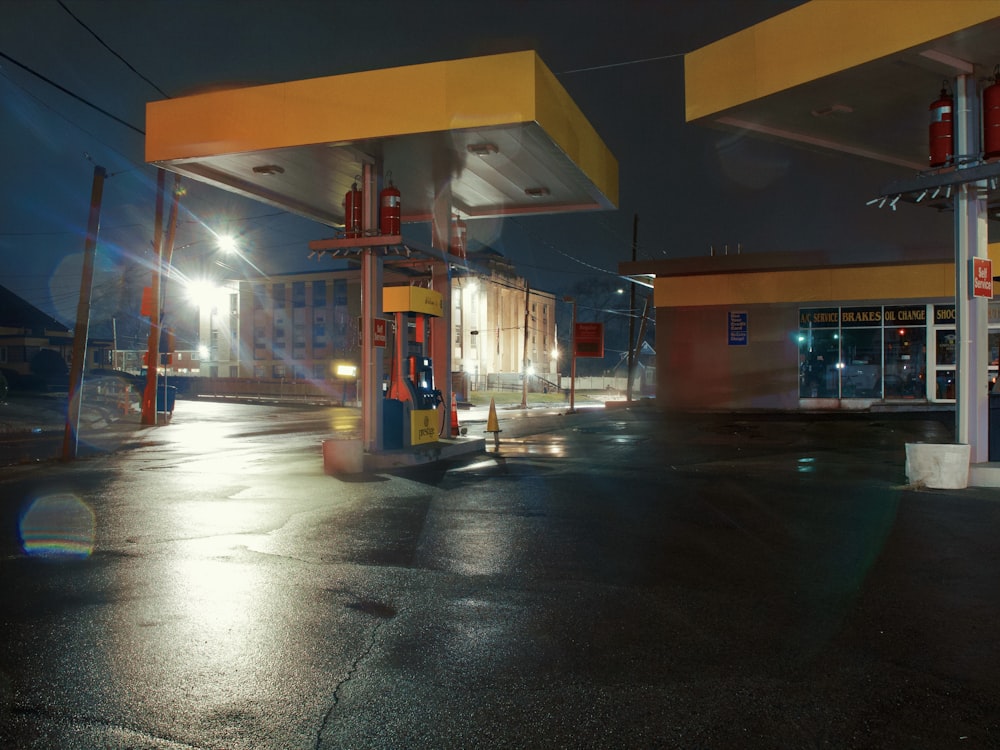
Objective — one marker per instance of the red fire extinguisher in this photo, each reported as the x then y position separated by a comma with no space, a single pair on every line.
389,208
941,134
458,232
991,117
352,212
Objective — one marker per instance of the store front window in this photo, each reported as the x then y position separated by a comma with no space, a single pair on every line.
905,355
861,352
944,352
884,352
819,353
871,352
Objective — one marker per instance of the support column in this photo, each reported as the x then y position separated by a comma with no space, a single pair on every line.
441,329
971,313
371,308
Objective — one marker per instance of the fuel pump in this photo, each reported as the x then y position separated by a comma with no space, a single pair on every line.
410,411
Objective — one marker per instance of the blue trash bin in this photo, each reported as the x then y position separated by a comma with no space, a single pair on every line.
392,424
165,397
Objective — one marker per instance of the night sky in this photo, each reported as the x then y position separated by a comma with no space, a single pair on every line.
690,186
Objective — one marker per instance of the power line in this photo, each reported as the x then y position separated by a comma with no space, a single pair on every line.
58,114
624,63
105,45
76,96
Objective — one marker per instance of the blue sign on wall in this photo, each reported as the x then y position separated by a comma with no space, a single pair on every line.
739,334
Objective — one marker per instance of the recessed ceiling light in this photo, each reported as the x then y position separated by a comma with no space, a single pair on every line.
537,192
832,109
482,149
268,169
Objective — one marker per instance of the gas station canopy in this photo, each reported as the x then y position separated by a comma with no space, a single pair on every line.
854,76
499,131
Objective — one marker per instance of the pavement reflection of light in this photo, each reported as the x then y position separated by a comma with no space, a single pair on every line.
806,465
210,517
58,526
527,447
219,595
202,437
487,464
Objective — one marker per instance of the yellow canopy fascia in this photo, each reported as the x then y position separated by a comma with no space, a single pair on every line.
814,40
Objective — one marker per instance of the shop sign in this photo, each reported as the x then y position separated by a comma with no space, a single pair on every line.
905,315
944,315
379,339
858,317
380,326
738,328
820,317
423,426
982,277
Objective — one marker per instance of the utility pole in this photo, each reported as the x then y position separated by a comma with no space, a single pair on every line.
81,331
631,311
524,356
155,317
572,357
642,333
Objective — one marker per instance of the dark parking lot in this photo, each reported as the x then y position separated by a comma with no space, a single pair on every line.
612,578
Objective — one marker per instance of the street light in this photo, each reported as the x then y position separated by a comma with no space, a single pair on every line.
572,358
227,243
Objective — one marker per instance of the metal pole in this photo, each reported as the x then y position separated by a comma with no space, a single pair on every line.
524,356
971,394
642,333
82,329
631,312
371,308
572,368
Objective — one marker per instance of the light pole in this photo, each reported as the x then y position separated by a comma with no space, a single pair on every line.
572,357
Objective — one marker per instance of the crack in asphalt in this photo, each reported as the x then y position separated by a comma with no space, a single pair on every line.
347,678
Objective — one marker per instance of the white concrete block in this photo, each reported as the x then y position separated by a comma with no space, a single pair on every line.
343,456
940,466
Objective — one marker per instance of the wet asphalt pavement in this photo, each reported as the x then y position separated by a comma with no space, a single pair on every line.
609,579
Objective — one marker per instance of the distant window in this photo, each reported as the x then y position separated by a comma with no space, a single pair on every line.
298,294
319,294
278,295
340,292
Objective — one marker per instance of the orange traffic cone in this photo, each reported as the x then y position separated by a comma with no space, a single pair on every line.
455,430
492,425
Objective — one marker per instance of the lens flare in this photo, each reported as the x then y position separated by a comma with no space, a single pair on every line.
58,526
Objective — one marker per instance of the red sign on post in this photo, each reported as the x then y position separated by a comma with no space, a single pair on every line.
982,278
588,340
380,338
